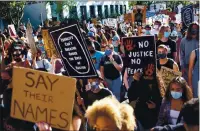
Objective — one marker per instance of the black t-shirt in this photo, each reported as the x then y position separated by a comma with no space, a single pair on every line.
92,97
110,72
168,64
97,45
170,44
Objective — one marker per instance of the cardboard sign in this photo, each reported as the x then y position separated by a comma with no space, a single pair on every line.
139,14
12,31
94,21
42,97
140,53
48,44
30,38
187,16
129,17
72,48
168,75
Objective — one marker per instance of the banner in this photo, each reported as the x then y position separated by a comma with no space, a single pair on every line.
42,97
187,16
168,75
12,31
139,53
71,46
48,44
139,14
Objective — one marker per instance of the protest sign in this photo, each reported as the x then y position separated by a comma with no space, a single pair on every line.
112,22
30,38
168,75
139,14
129,17
71,46
12,31
140,53
42,97
105,21
48,44
187,16
94,21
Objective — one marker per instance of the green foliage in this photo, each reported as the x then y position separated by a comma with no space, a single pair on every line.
12,11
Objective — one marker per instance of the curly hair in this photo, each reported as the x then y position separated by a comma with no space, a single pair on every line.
187,92
121,114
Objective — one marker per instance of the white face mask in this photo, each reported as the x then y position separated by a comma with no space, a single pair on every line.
155,26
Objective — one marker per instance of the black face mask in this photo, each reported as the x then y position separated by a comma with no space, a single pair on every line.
92,51
194,32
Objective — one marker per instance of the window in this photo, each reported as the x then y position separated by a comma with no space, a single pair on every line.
99,9
116,9
121,9
106,11
111,9
83,12
124,9
72,11
92,11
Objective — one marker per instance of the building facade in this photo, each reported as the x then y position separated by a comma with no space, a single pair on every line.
98,9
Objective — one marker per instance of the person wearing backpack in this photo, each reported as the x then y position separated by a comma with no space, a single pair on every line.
41,64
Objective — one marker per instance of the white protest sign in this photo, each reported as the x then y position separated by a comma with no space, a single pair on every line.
12,31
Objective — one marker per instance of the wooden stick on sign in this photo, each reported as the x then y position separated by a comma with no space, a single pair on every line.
30,39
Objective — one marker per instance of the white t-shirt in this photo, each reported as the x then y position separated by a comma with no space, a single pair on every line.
174,116
44,63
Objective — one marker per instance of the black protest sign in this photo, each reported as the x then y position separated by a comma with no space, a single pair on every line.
71,46
187,16
140,54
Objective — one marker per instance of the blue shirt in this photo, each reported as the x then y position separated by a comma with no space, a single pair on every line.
97,58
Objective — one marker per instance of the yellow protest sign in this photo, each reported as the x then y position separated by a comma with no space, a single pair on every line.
94,21
168,75
129,17
42,97
48,44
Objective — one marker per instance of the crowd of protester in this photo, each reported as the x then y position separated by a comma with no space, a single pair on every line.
115,100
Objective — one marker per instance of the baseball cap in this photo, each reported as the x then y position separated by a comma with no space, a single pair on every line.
90,34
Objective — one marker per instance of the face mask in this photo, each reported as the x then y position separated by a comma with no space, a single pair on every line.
162,56
108,52
194,32
147,32
173,37
166,34
92,51
176,95
155,26
94,85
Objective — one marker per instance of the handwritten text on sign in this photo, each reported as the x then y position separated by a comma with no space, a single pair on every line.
40,96
140,52
74,54
168,75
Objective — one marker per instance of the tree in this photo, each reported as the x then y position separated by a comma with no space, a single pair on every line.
62,5
12,11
